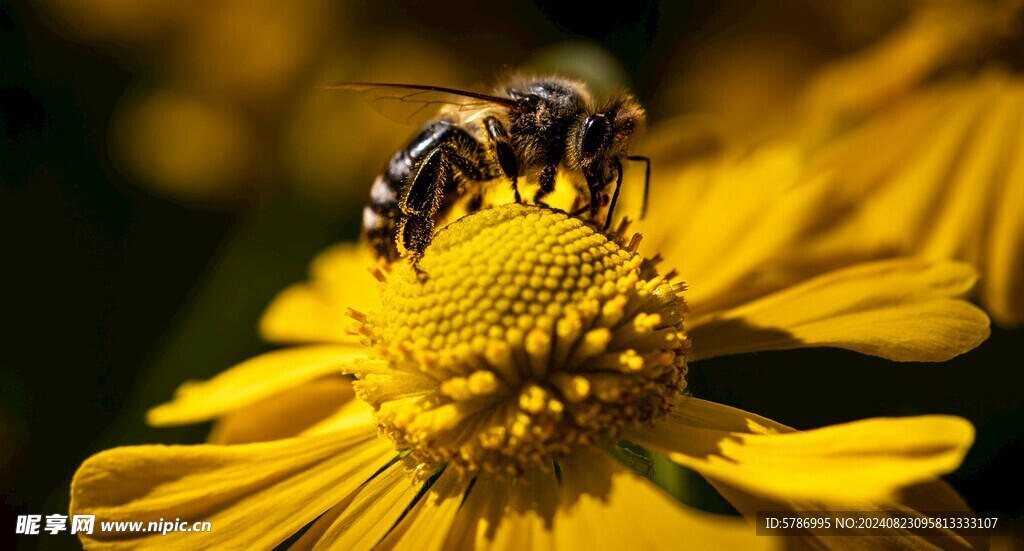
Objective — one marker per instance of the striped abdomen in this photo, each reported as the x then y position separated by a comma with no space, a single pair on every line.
382,216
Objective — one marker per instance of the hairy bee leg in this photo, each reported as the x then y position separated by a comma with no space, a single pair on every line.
423,198
416,234
615,196
432,175
547,184
420,204
470,160
502,144
384,214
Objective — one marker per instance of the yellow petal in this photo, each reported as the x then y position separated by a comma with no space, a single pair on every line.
254,495
694,412
285,414
312,535
934,35
947,184
938,496
599,505
500,514
935,497
863,460
373,511
303,314
1003,289
315,311
969,181
354,413
728,234
603,505
901,309
429,522
251,381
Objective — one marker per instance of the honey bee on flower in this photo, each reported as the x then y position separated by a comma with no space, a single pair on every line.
537,127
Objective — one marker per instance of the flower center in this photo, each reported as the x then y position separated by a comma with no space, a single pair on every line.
532,333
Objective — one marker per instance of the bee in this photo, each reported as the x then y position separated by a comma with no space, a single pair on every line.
534,128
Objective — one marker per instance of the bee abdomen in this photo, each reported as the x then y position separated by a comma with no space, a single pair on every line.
382,216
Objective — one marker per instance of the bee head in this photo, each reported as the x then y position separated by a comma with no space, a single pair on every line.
600,141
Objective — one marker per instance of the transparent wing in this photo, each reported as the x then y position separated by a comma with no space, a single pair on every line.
415,104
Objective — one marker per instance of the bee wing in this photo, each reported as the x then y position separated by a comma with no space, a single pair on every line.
415,104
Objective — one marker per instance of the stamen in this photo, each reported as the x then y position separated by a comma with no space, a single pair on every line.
379,273
634,243
356,315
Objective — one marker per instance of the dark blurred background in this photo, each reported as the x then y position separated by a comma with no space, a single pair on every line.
166,168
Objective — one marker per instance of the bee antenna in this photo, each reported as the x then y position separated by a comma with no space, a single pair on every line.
615,196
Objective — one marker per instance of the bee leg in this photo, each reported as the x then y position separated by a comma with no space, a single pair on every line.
423,195
420,203
615,196
547,184
416,234
470,160
502,145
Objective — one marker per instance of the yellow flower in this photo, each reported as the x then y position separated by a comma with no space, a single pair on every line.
775,74
917,129
501,386
931,36
949,182
933,166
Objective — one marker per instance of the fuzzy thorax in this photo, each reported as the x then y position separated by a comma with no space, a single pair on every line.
532,333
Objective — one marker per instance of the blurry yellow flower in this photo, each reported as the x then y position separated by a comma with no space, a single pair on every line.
501,386
930,168
921,147
933,35
941,175
224,99
775,73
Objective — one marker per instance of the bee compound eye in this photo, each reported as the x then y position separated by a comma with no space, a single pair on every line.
594,129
